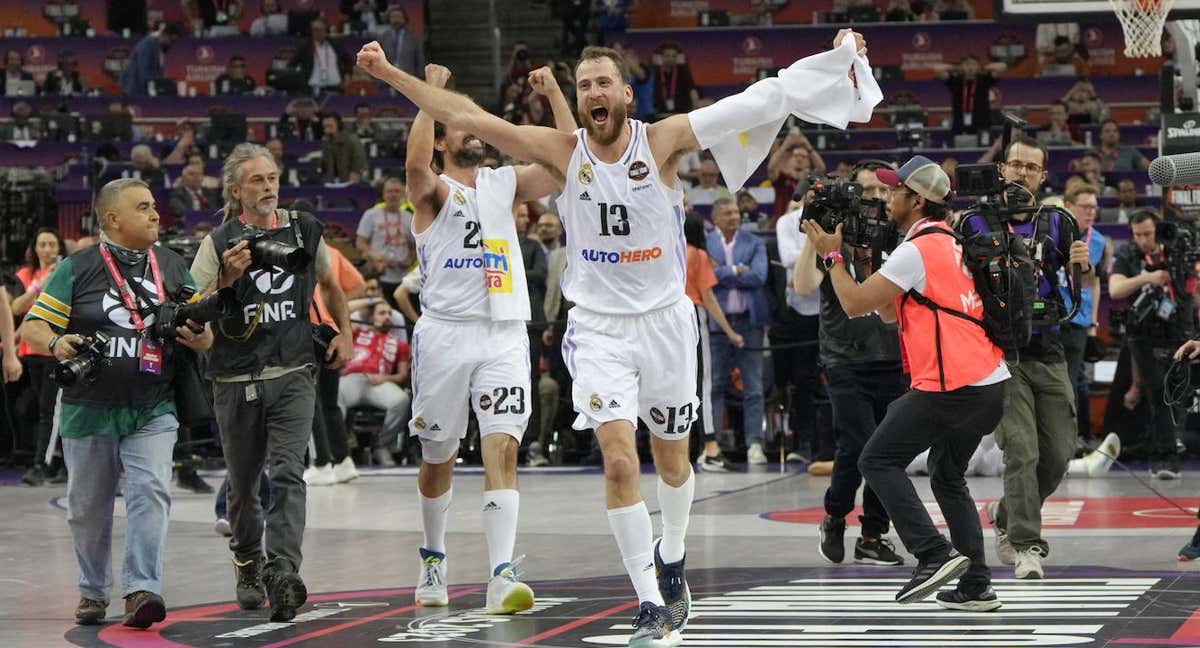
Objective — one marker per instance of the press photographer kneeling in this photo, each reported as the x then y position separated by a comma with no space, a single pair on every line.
107,316
1155,271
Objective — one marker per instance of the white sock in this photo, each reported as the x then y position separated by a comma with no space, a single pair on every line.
433,517
500,508
676,506
631,527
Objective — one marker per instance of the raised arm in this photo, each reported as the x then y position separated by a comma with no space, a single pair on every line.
529,143
423,183
542,82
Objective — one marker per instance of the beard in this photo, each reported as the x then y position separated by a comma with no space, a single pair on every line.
467,156
262,208
612,128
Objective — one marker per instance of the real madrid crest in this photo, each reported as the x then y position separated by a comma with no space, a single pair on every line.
585,173
459,197
419,423
595,403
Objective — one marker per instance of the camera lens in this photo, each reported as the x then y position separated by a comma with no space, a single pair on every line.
281,255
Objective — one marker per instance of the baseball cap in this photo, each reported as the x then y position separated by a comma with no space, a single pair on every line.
922,175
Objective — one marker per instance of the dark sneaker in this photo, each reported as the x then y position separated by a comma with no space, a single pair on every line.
928,577
832,536
286,591
187,479
143,609
876,551
672,584
652,628
57,476
250,591
715,464
90,611
1191,551
1165,469
35,476
984,601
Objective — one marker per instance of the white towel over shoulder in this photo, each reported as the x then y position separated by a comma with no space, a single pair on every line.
508,293
740,129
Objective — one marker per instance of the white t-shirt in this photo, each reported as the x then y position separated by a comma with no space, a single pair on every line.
905,268
791,243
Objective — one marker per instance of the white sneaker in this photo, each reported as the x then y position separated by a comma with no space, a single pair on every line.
320,475
1004,548
755,455
345,471
221,526
1099,461
507,595
1029,563
431,585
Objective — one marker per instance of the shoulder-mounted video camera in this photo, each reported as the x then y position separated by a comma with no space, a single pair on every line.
864,221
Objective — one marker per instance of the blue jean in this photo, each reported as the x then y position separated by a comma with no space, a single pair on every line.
725,357
93,469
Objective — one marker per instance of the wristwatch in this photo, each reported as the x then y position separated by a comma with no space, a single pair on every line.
832,258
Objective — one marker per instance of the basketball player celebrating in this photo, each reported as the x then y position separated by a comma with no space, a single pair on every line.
631,338
463,349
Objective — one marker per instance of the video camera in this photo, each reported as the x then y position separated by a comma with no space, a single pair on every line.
265,252
864,221
176,312
85,366
1181,247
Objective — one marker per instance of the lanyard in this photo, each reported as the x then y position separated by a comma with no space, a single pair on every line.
123,285
969,96
1170,288
274,220
670,94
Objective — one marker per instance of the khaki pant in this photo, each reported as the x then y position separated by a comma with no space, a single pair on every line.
1037,435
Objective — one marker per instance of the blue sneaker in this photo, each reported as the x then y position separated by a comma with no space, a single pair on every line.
653,629
1191,550
672,584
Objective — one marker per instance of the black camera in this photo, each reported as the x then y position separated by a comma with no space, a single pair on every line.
985,182
184,246
265,252
176,312
864,221
85,366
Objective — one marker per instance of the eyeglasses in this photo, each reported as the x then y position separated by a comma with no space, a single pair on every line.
1025,167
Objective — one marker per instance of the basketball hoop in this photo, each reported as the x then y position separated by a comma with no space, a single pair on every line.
1142,21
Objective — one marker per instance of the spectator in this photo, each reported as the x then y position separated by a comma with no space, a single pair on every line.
791,163
575,16
970,86
146,167
234,81
1064,60
385,238
519,65
674,89
406,293
403,48
641,79
1048,34
14,73
1127,203
191,194
364,124
374,376
323,64
65,80
1083,105
752,218
41,258
300,121
272,22
22,127
950,166
1115,156
843,169
898,11
145,64
1058,129
612,16
275,146
343,158
1090,168
549,233
740,263
956,10
214,17
710,187
185,144
365,15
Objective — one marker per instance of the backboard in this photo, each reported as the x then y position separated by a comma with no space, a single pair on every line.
1077,10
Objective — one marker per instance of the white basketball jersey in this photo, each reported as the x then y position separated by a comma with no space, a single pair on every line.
450,253
625,248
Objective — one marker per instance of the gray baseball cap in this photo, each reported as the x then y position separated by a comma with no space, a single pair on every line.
922,175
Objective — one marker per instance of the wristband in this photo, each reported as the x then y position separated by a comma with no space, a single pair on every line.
831,258
54,340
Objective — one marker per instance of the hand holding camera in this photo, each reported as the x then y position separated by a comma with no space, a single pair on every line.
235,261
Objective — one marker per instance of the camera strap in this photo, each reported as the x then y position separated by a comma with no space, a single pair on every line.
122,285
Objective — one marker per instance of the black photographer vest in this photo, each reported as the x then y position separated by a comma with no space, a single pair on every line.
846,340
283,337
97,306
1130,261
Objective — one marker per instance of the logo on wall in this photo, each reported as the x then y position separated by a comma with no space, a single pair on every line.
264,279
35,55
114,306
751,46
921,41
1093,36
205,53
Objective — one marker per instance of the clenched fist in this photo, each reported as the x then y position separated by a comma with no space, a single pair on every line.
437,75
542,81
372,59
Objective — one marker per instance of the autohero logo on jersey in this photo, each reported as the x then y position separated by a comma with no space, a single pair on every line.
592,255
271,282
114,308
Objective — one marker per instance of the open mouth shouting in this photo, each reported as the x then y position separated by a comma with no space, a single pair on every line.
599,115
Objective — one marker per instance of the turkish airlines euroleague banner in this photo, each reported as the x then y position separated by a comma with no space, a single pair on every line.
18,14
733,56
662,14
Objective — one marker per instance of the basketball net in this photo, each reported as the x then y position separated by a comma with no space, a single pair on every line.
1142,21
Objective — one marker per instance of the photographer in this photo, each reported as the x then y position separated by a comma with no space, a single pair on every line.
957,376
97,316
863,375
262,366
1162,313
1190,551
1038,431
